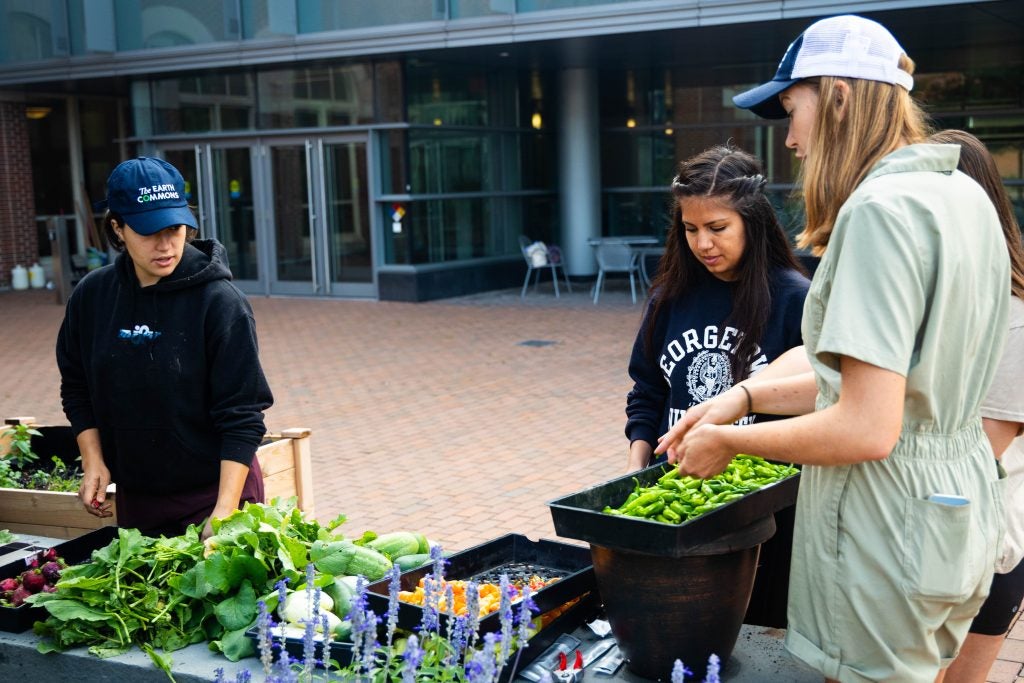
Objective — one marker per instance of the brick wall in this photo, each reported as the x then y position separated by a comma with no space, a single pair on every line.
18,240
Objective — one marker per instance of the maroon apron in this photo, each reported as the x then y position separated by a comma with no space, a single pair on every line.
169,514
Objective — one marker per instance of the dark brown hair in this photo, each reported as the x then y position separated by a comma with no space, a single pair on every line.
116,243
736,179
977,162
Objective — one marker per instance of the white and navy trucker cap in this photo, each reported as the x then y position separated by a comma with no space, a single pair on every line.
847,46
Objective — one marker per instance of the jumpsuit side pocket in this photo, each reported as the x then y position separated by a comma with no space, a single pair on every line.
1004,557
942,549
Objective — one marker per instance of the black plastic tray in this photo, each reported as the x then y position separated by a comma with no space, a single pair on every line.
571,560
16,619
339,651
579,515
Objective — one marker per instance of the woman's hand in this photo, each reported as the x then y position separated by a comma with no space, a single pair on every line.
639,455
93,489
95,475
705,451
723,409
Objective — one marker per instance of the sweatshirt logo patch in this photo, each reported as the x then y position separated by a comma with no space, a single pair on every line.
709,374
140,334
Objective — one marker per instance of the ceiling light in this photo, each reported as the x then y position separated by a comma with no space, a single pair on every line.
36,113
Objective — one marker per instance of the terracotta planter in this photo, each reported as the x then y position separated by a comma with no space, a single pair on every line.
666,608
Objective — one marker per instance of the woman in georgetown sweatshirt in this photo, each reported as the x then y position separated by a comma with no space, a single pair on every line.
727,299
160,373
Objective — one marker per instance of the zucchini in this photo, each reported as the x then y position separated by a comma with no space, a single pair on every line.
341,591
367,562
406,562
396,544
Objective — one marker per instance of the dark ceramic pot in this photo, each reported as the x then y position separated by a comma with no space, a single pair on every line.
663,608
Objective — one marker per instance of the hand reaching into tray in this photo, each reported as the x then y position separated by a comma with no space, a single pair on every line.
695,442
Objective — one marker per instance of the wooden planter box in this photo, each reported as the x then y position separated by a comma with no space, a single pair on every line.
284,458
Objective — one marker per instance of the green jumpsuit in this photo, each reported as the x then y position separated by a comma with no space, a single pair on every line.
915,280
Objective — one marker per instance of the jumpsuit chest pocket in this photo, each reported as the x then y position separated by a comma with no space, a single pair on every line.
944,551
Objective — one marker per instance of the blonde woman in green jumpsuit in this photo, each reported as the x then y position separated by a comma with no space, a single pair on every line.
899,513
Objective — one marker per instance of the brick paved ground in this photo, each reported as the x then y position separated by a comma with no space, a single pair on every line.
433,417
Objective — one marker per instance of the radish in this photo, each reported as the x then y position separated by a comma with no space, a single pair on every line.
32,581
9,585
51,572
19,595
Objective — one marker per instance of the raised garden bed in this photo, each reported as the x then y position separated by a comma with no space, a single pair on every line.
285,459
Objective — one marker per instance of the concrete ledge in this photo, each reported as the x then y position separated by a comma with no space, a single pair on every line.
758,657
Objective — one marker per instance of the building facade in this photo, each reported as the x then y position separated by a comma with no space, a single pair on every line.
397,149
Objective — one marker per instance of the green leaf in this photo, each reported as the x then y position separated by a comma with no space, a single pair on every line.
215,571
235,645
66,610
336,522
193,583
239,610
244,566
163,662
106,651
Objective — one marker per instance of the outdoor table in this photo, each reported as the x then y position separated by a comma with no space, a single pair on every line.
758,657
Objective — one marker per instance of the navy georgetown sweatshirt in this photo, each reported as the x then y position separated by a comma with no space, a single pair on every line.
169,374
693,342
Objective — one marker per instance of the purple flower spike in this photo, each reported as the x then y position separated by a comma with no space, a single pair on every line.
219,675
412,659
525,619
679,672
437,555
264,624
472,611
394,585
481,669
505,614
282,594
714,667
431,589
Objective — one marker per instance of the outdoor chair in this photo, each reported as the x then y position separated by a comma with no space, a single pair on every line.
616,257
538,257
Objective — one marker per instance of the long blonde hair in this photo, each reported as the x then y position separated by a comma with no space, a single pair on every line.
847,139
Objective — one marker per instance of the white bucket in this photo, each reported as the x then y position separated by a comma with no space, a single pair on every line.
19,277
36,276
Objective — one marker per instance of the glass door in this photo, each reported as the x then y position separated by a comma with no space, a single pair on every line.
293,214
347,226
232,212
317,205
291,218
219,185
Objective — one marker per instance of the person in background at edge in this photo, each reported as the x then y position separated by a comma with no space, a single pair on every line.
904,326
160,373
1002,414
727,301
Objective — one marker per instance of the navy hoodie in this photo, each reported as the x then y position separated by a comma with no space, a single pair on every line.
169,374
693,343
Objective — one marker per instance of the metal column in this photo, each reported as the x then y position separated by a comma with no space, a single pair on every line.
579,168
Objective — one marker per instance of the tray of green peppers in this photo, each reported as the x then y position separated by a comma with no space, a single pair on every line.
658,511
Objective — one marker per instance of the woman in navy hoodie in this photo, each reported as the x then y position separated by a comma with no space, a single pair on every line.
160,373
727,300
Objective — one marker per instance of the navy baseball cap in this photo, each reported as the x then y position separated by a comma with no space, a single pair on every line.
846,46
149,194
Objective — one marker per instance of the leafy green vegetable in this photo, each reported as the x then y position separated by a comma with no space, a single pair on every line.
164,594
